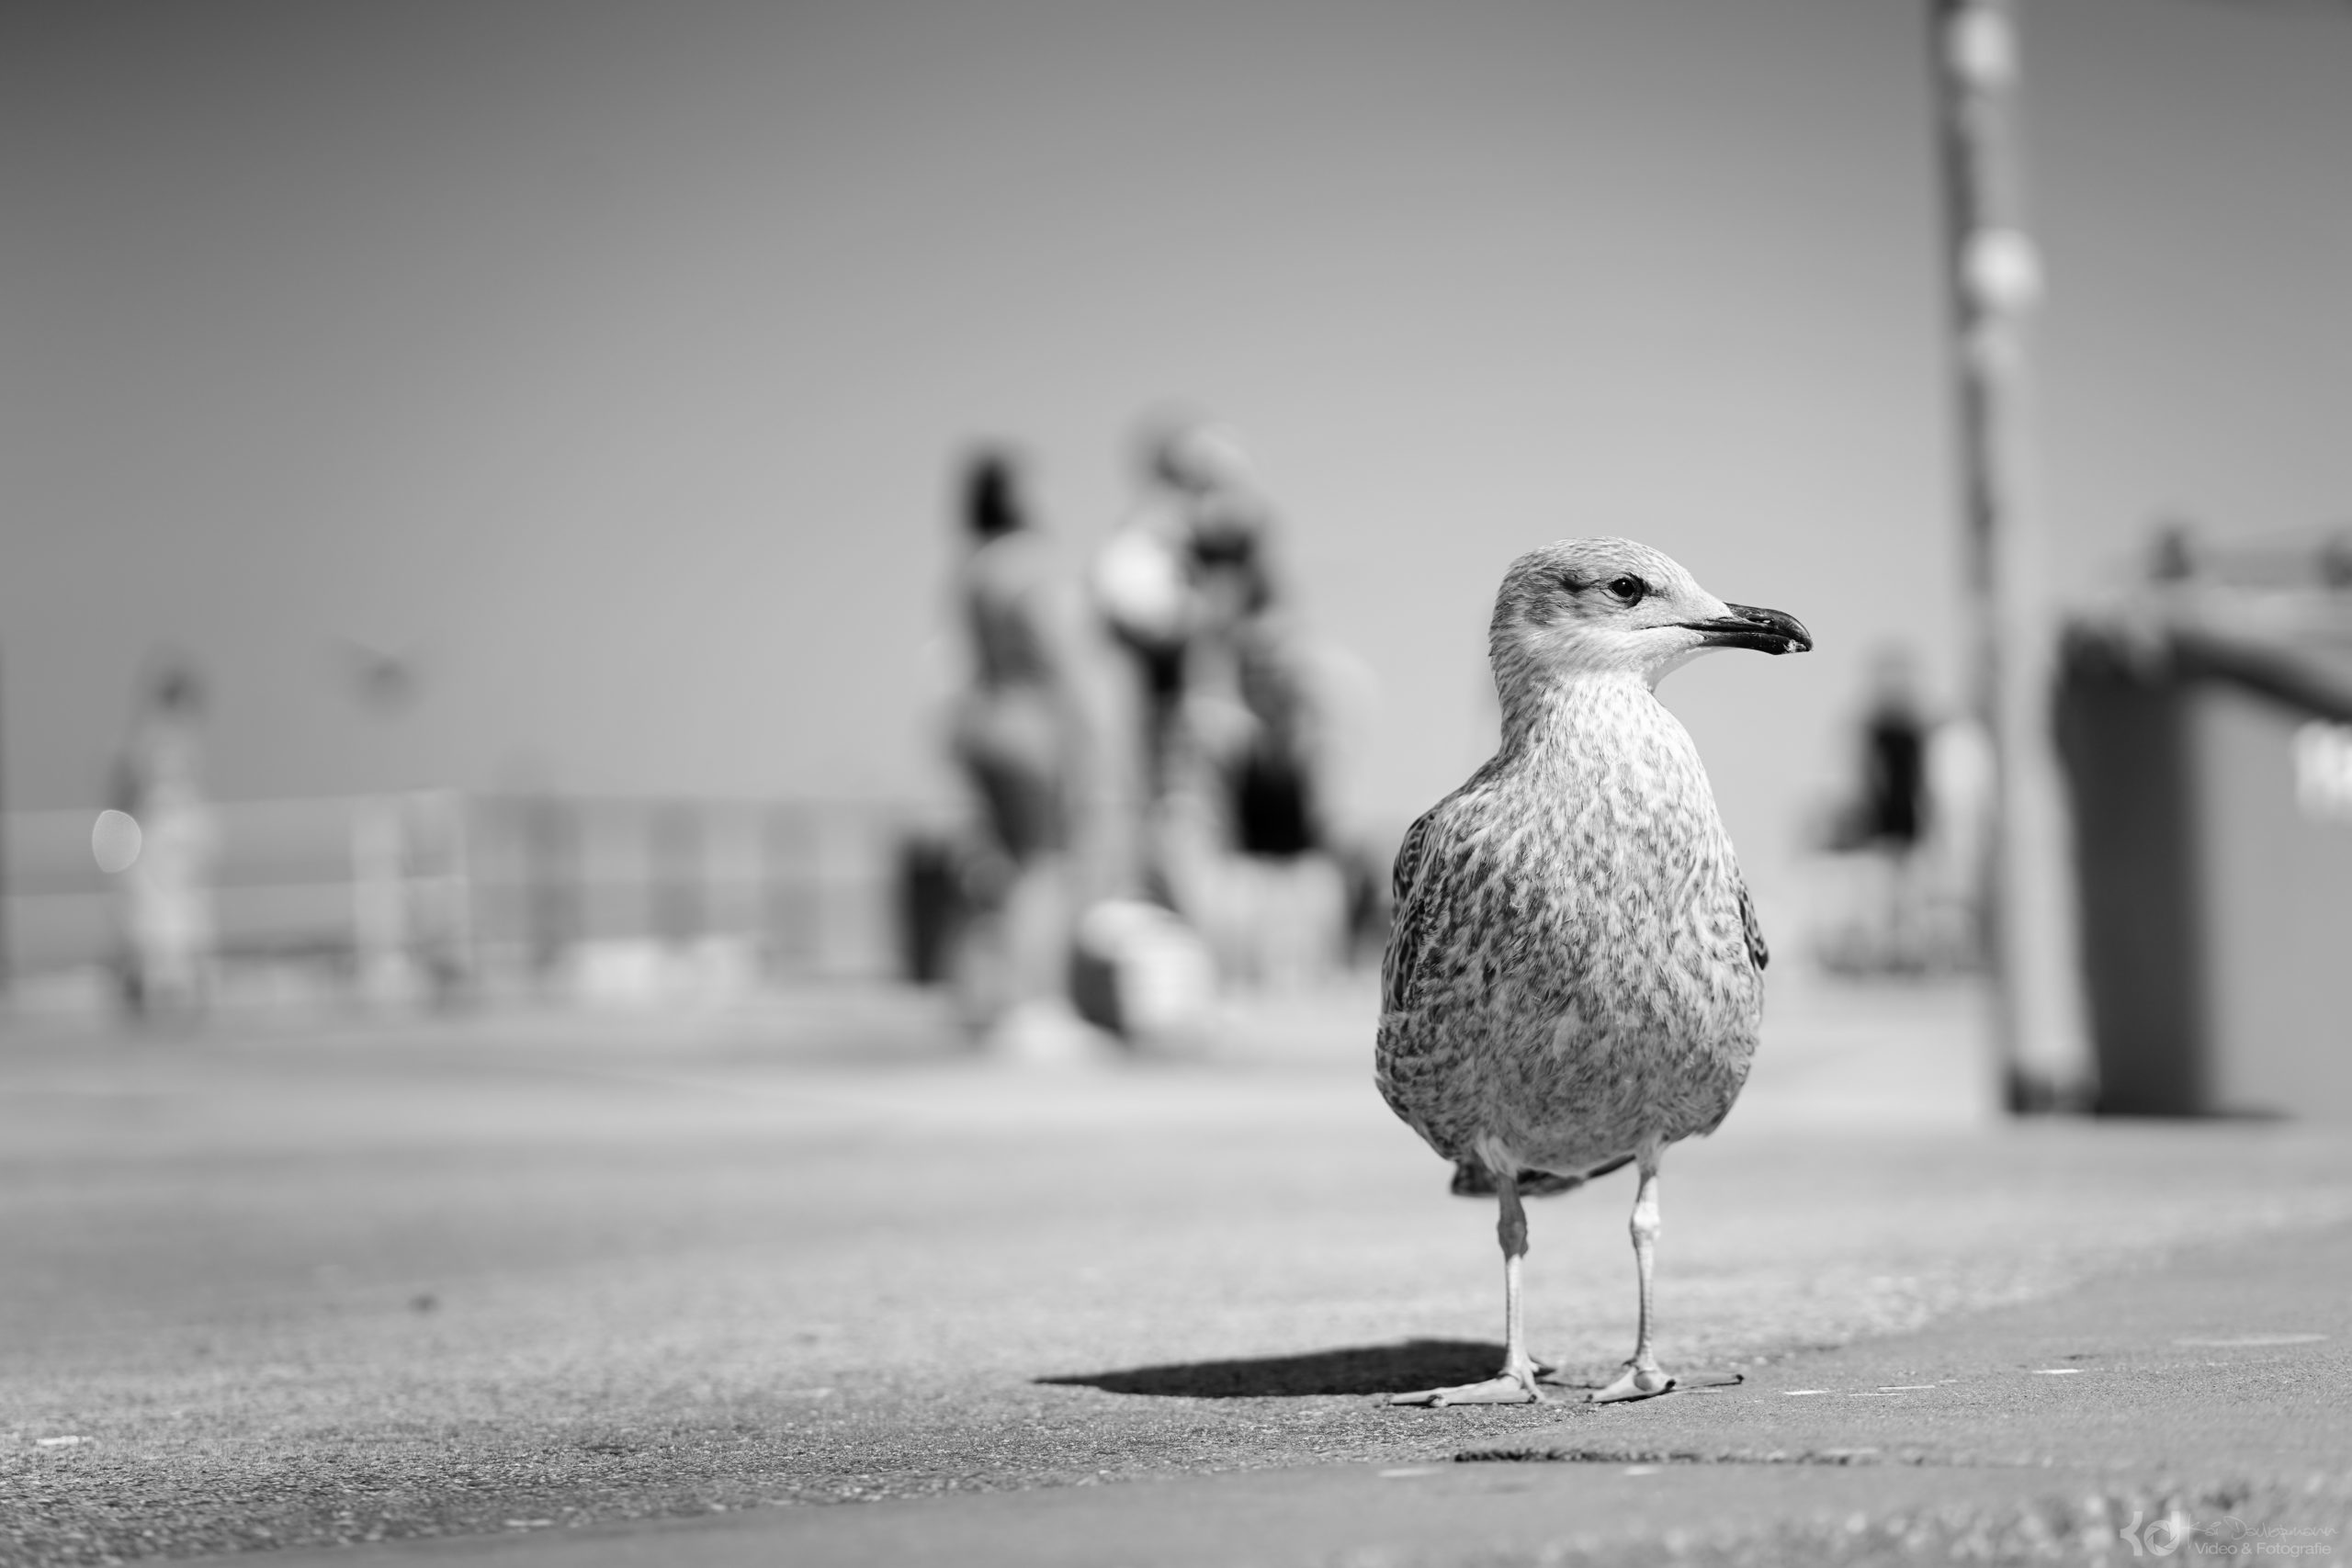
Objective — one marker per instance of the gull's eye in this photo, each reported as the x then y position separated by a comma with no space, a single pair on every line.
1628,590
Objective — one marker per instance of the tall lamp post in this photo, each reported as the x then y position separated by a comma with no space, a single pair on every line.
7,970
1994,278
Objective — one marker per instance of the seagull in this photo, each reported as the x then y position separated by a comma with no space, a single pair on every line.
1575,974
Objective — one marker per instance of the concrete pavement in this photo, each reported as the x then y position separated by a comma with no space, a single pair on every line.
318,1288
2212,1389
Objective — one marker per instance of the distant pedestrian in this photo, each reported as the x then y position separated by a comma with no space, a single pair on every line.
1018,733
1255,869
1895,757
1145,588
169,937
1890,912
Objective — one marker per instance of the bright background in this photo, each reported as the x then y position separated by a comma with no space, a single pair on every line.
609,360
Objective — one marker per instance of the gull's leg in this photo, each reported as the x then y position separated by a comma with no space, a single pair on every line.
1642,1376
1515,1384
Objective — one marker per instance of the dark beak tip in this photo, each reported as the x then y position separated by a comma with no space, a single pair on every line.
1767,631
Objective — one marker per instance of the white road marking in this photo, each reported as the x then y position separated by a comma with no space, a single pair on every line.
2236,1341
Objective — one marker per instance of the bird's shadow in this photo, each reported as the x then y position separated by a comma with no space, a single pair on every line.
1356,1369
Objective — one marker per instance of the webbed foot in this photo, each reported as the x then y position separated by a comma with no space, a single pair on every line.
1636,1383
1512,1385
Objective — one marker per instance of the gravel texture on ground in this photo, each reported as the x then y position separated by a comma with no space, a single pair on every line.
2191,1406
382,1286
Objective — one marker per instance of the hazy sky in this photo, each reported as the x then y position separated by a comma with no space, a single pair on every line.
609,359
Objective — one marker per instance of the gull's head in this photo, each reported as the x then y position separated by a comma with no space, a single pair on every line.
1616,607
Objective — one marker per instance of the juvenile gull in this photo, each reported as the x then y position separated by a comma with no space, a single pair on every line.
1575,975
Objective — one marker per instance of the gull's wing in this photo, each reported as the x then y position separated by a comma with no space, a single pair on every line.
1414,906
1755,929
1432,864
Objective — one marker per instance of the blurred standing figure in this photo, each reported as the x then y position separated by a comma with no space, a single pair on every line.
1144,586
1267,888
1894,753
167,889
1019,735
1878,835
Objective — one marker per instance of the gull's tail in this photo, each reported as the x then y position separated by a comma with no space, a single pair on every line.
1472,1179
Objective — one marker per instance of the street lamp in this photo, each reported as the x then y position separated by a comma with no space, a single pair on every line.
1993,282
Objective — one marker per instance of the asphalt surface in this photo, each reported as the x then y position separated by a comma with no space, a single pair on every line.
533,1288
2147,1399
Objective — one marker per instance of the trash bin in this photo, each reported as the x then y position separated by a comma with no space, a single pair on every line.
2210,773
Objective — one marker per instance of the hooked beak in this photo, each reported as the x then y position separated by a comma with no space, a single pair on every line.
1766,631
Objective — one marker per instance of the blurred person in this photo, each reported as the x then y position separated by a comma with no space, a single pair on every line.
1231,823
167,890
1908,845
1894,808
2172,552
1894,745
2336,561
1144,587
1248,836
1018,732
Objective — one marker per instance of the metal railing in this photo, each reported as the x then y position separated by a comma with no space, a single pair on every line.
469,890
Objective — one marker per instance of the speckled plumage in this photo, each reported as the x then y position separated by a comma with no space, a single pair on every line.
1575,972
1574,977
1572,973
